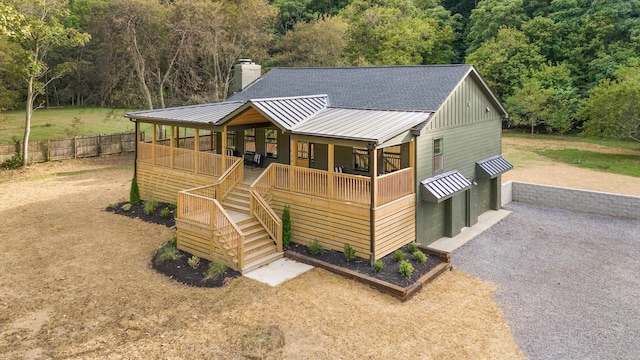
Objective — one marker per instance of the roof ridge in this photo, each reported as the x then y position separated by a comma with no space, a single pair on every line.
374,109
368,67
291,97
188,106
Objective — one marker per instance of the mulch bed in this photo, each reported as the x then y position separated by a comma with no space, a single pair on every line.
137,212
180,271
388,280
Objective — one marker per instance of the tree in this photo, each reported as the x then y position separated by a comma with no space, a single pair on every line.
506,60
545,98
37,27
612,109
317,43
490,16
394,33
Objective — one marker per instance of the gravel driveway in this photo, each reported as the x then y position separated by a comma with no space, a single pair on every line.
568,283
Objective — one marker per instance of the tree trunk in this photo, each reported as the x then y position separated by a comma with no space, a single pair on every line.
27,122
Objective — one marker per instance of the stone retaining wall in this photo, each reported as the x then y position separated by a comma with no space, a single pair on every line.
593,202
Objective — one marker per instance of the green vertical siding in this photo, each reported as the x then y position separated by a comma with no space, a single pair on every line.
320,157
344,158
470,133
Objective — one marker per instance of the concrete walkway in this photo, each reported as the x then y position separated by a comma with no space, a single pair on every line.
485,221
278,271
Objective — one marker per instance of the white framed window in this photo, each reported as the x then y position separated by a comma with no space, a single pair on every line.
438,157
250,141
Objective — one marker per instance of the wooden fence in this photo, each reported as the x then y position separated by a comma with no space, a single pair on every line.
75,147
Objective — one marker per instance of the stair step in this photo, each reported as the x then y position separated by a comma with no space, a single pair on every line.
249,266
257,245
257,255
236,208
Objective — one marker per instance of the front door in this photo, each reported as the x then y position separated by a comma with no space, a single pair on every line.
302,157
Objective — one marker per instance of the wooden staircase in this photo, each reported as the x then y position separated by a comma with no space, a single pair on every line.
259,248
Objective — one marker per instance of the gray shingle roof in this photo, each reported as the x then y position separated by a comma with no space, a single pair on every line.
444,186
384,87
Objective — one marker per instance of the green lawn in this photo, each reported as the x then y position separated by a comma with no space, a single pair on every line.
613,163
63,122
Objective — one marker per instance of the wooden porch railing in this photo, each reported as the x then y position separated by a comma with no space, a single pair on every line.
230,178
395,185
208,212
227,233
265,181
184,159
267,217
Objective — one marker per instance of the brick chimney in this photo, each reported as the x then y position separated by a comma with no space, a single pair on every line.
246,72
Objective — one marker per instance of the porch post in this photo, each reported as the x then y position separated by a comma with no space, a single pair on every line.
171,139
293,149
154,133
412,162
373,168
138,137
223,149
196,148
330,166
212,134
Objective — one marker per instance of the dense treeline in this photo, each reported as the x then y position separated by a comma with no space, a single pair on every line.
558,65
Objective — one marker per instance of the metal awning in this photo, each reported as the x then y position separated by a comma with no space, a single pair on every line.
491,167
441,187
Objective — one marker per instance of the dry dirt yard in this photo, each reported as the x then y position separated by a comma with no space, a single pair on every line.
76,283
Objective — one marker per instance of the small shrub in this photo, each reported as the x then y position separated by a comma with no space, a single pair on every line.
405,269
150,206
315,248
413,247
166,253
172,206
13,162
173,241
419,257
194,262
378,265
286,227
398,255
349,252
126,207
216,269
134,193
112,206
165,213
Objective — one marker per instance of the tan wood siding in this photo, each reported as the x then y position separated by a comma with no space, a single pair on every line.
332,223
162,184
194,239
395,225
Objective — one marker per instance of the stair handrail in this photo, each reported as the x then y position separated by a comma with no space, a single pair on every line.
264,182
225,226
267,217
229,179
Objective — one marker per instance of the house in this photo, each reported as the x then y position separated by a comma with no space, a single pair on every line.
373,157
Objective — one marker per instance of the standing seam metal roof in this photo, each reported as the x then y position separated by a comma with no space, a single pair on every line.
494,165
444,186
205,114
289,112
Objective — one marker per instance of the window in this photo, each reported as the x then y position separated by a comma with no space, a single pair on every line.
250,141
360,159
438,159
231,140
303,150
271,143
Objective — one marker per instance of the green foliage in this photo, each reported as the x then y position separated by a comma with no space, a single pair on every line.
150,206
194,262
167,252
349,253
614,163
77,127
134,193
315,248
216,269
378,265
398,255
419,257
13,162
405,268
172,206
173,240
127,207
286,227
413,247
165,213
612,109
489,16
